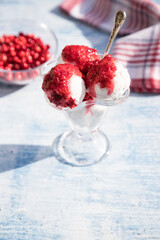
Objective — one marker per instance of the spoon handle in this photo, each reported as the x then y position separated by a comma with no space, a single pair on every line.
119,20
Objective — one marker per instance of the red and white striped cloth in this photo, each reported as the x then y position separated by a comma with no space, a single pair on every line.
139,51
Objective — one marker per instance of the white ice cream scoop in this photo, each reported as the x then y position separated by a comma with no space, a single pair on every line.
64,86
121,84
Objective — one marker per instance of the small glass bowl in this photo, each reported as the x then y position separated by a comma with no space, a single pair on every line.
14,27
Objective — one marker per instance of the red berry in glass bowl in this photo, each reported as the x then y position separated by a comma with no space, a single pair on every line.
25,46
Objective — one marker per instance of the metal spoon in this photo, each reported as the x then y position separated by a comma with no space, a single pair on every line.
119,20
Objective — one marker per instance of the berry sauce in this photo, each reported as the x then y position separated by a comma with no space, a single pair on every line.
56,85
101,73
81,56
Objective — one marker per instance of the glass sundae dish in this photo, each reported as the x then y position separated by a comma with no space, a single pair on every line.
83,84
85,144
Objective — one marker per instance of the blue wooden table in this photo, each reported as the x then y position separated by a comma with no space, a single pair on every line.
43,199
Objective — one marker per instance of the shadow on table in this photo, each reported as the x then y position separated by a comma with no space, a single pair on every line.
16,156
6,89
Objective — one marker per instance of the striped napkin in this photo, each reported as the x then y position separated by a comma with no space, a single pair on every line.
139,50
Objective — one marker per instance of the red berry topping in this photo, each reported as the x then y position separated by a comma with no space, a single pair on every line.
81,56
103,74
87,97
56,85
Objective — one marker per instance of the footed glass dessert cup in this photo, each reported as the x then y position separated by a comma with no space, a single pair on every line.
84,144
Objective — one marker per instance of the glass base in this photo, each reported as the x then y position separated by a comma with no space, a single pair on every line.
81,150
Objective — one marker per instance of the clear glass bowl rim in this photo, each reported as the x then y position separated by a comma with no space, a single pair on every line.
88,102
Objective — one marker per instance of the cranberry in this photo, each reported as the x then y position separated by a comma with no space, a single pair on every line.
42,59
12,49
1,65
8,67
18,76
29,59
24,65
17,46
3,57
16,59
17,66
35,55
9,76
5,48
38,48
37,63
13,53
23,51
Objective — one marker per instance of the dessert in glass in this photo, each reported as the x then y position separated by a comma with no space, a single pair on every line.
83,84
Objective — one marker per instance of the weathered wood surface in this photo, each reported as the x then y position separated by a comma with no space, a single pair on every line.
40,198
